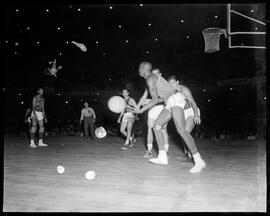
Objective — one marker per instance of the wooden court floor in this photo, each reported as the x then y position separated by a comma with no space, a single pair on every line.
233,181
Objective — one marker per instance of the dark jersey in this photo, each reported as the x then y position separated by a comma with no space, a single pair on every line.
39,103
129,107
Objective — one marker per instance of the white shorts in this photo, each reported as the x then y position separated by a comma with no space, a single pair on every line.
190,112
38,114
154,112
128,117
176,99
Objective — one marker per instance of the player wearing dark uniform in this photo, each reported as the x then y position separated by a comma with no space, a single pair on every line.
38,117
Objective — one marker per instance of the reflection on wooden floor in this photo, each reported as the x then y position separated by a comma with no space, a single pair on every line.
233,181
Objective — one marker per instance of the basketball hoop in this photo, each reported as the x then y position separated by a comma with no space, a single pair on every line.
211,39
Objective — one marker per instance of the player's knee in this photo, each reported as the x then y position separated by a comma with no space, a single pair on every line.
150,129
33,129
180,130
157,127
41,130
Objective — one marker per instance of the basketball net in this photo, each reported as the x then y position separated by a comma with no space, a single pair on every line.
211,39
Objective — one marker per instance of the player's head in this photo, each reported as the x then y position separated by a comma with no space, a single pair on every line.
145,69
173,81
40,91
86,104
125,93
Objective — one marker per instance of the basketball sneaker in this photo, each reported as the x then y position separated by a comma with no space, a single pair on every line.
161,159
41,144
148,154
132,141
125,146
33,145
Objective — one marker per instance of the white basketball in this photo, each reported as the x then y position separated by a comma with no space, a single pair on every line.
100,132
90,175
117,104
60,169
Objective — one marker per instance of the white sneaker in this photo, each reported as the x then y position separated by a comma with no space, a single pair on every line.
33,145
161,159
198,167
42,145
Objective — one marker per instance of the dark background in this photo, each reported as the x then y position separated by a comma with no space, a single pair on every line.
112,64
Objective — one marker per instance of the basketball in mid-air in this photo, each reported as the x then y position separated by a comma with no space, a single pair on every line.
100,132
117,104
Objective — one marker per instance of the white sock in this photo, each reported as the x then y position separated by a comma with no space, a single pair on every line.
149,147
40,141
166,147
127,141
32,142
197,157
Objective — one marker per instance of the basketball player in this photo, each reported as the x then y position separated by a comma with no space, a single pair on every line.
191,110
88,116
38,117
153,113
174,107
53,69
27,119
128,119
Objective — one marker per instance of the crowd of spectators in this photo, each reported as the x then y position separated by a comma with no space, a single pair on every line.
76,129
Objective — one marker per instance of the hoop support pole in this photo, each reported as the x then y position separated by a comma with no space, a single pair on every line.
257,33
254,47
229,24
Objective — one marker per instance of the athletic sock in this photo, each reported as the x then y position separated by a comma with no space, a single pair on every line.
166,147
149,147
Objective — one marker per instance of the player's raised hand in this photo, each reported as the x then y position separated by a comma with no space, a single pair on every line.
197,120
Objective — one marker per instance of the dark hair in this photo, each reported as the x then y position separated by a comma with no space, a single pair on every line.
155,68
173,77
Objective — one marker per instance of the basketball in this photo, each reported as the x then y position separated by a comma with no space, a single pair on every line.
60,169
90,175
100,132
116,104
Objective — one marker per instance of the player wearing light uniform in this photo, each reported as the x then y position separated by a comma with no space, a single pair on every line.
174,107
191,110
128,119
38,117
153,114
88,116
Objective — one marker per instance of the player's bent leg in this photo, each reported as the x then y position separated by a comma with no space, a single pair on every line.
162,119
129,129
41,133
123,128
33,132
189,125
166,138
178,117
123,131
150,138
